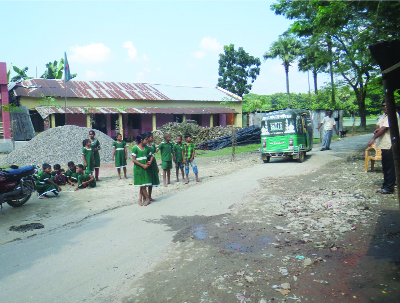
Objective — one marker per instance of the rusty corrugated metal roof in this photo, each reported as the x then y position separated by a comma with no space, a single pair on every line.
44,111
119,90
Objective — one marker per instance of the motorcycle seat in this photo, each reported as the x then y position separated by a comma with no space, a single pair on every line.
18,173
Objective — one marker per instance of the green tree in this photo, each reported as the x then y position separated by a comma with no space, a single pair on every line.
55,70
287,48
236,69
21,74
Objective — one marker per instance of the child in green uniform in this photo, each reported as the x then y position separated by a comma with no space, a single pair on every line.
120,154
85,178
87,154
177,148
188,152
153,169
95,148
58,174
141,175
44,184
166,158
71,174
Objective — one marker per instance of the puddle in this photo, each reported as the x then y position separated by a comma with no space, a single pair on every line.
26,227
199,232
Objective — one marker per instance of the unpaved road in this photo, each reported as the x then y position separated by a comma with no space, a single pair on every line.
96,243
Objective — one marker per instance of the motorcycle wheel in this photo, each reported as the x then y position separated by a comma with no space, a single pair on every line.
19,202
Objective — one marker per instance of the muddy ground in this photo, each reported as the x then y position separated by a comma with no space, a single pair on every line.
322,237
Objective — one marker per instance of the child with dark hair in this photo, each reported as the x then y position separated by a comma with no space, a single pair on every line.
71,174
141,175
58,174
120,154
95,148
44,184
87,154
85,178
153,169
166,157
178,159
188,158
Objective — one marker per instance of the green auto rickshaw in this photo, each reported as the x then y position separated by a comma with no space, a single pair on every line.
286,133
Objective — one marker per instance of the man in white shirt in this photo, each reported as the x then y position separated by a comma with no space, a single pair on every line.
383,142
328,123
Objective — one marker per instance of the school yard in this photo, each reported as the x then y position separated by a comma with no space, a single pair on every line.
250,232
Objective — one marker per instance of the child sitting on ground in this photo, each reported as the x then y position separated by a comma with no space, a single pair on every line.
44,184
58,174
85,178
188,152
177,148
166,158
71,174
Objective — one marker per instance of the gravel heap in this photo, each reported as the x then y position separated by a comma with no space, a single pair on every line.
58,145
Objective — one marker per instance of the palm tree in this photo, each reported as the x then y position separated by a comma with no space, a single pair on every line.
287,48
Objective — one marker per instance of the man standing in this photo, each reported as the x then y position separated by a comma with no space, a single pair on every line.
328,123
383,142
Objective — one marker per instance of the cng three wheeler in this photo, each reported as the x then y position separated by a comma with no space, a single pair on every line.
286,134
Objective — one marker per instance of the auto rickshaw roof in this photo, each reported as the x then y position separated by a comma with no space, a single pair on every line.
285,113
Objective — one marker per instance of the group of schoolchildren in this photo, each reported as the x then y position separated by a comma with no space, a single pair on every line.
145,170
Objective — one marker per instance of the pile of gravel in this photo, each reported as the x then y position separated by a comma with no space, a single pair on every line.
58,145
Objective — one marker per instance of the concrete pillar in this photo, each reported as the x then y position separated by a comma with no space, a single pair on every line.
121,125
53,121
88,121
154,122
211,120
183,118
4,101
108,125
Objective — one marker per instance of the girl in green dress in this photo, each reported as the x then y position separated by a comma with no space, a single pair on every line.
87,155
120,154
153,169
141,175
95,148
44,184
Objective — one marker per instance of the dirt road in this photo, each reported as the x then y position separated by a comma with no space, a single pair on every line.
98,245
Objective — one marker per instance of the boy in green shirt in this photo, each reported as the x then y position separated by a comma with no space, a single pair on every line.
166,158
188,152
178,159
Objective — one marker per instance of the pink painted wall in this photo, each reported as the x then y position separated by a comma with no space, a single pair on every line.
222,119
4,100
147,125
205,120
76,119
163,119
125,122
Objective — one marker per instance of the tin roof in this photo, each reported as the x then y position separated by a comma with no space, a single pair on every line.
44,111
119,90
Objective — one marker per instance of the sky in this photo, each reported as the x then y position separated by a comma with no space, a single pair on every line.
158,42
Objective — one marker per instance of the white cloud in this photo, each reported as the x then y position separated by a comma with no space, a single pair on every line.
210,44
199,54
90,53
143,76
92,75
131,49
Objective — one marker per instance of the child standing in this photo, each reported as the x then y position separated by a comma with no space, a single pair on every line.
188,157
95,148
87,155
120,154
44,184
178,159
153,169
71,174
166,158
141,175
85,178
58,174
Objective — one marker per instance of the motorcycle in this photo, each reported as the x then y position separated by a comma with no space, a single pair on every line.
17,185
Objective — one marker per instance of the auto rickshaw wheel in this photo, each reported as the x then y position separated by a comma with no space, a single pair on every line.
301,157
266,160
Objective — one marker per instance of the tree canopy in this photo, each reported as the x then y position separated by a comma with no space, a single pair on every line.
236,69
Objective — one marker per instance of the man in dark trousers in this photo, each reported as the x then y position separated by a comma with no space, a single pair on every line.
383,142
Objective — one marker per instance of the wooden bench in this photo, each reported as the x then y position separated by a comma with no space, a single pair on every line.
377,156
